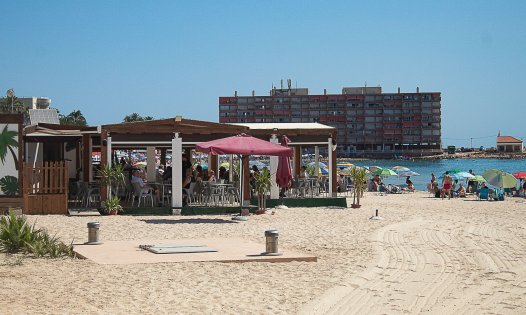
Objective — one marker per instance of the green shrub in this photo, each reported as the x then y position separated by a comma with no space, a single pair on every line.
17,236
15,233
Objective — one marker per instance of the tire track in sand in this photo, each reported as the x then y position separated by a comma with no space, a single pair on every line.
424,266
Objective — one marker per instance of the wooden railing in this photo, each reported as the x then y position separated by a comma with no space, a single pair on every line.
46,178
45,188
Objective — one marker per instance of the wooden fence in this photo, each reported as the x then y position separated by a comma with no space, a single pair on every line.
45,188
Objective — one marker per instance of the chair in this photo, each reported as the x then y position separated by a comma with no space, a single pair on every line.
393,189
300,187
232,195
189,192
93,197
484,193
141,194
210,194
81,191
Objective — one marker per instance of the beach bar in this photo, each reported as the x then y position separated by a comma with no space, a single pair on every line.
73,147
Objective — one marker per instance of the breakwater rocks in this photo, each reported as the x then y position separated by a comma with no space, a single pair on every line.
475,155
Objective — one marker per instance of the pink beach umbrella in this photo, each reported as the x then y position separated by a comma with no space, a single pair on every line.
284,172
243,145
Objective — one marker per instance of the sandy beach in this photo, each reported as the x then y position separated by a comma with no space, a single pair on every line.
427,255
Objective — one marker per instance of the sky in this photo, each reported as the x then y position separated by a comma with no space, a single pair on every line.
168,58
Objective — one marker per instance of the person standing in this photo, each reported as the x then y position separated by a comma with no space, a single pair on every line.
447,183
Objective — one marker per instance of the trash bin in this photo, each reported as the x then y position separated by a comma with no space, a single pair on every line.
93,233
271,237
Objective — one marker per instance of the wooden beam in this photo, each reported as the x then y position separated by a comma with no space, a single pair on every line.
246,179
103,160
213,164
86,158
297,161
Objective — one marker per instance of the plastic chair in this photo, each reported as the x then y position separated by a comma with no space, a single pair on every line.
484,193
142,194
189,192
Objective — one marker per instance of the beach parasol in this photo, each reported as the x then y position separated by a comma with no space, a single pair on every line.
459,176
320,164
462,175
373,169
407,173
385,172
519,175
243,145
344,165
284,172
347,170
500,179
258,164
478,178
400,169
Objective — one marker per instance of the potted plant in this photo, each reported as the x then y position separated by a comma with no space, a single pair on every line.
111,206
262,184
111,176
359,179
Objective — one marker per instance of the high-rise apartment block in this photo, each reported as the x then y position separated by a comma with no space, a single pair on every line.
369,123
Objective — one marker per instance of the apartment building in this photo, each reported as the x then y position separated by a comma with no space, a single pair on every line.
370,123
35,102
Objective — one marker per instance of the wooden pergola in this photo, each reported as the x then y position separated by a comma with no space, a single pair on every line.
301,135
180,135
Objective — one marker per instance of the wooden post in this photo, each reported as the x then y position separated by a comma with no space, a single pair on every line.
86,157
334,171
297,161
103,161
246,180
213,164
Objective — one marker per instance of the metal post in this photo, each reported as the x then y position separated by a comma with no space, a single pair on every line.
271,243
93,233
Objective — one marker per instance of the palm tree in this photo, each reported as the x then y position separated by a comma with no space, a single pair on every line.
8,141
74,118
10,102
136,117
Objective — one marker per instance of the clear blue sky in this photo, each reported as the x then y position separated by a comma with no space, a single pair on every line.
168,58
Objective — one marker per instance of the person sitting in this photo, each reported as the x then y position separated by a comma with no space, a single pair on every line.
304,173
211,176
222,174
409,184
436,190
342,184
461,191
145,188
372,185
167,174
454,185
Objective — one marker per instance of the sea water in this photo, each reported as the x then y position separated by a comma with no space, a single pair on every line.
426,167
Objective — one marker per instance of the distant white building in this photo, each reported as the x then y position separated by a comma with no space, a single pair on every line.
35,102
509,144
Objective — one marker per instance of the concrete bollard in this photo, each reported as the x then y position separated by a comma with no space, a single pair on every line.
93,233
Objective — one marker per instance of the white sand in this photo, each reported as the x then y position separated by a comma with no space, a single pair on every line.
428,255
